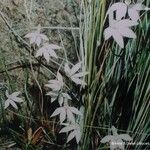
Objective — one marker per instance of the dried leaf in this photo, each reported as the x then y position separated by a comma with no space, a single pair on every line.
37,136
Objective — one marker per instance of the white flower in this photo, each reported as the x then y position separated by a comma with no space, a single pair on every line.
61,97
72,73
56,84
116,140
47,50
66,112
121,9
12,99
120,29
134,9
36,37
75,132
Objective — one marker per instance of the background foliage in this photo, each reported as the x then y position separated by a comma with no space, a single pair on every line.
118,84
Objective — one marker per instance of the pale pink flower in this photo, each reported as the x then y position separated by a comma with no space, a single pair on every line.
74,74
74,130
120,29
66,112
12,99
116,140
48,51
56,84
36,37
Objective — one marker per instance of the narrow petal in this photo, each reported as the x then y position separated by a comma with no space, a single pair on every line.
125,23
67,129
55,87
29,35
75,68
39,53
60,100
53,46
46,56
81,74
120,8
13,104
52,94
71,136
67,69
121,11
70,116
107,138
59,77
6,104
75,111
53,99
62,115
107,33
138,6
125,137
17,99
57,111
15,94
78,136
133,14
44,37
66,96
52,53
38,41
118,38
127,32
7,94
78,81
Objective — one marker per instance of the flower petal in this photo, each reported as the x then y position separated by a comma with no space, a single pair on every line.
6,104
71,136
125,137
127,32
107,138
133,14
67,69
13,104
53,46
125,23
62,115
17,99
75,111
81,74
70,116
78,81
118,38
107,33
120,8
67,129
75,68
57,111
78,136
15,94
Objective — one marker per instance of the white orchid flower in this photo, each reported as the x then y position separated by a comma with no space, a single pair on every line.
134,10
116,140
75,132
56,84
61,97
12,99
66,112
36,37
120,29
48,51
74,74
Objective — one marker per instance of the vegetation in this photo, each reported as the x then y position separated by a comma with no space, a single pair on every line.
73,77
